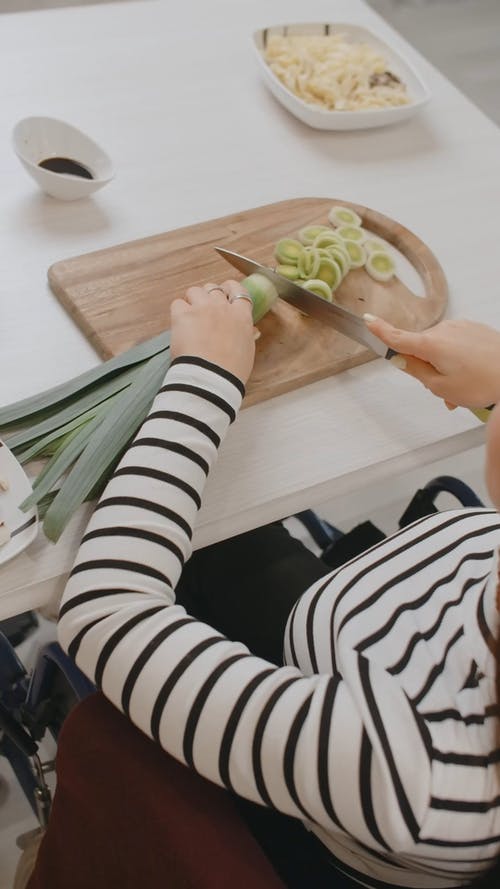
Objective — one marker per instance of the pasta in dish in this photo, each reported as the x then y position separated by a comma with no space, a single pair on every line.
334,73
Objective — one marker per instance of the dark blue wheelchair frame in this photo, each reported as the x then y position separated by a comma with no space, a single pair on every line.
326,535
32,705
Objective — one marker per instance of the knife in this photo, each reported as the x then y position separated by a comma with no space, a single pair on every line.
329,313
341,319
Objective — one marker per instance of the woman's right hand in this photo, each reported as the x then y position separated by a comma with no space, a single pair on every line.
458,361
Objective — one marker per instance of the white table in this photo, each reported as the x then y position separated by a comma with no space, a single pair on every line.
176,99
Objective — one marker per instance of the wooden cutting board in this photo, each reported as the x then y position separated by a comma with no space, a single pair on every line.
120,296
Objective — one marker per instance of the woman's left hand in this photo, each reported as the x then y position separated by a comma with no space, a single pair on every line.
207,325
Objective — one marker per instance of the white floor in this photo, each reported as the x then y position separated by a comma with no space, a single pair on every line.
462,37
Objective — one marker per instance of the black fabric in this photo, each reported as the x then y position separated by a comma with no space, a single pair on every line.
490,880
352,544
246,587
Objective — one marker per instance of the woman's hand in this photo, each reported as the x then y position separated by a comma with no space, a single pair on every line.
457,360
207,325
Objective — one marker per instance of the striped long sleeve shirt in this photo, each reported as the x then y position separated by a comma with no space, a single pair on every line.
379,731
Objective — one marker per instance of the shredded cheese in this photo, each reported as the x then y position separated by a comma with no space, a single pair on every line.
334,73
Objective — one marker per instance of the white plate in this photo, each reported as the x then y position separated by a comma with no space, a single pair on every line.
23,526
323,119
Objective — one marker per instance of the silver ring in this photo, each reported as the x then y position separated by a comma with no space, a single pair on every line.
246,296
216,288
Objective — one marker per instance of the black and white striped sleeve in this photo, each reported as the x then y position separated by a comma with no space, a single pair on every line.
294,742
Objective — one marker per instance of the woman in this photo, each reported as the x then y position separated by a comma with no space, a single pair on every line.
380,732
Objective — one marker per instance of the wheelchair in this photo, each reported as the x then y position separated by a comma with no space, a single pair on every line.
32,705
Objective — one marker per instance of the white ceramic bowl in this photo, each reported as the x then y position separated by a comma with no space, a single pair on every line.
37,138
321,118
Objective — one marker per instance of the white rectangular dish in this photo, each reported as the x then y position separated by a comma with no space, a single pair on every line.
324,119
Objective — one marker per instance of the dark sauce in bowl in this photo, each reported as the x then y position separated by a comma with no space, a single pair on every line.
67,166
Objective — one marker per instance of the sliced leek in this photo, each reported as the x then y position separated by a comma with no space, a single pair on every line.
372,244
329,271
339,216
357,253
320,288
380,266
351,233
308,234
327,239
308,264
341,257
288,271
288,251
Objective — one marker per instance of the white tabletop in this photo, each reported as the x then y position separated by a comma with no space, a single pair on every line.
175,98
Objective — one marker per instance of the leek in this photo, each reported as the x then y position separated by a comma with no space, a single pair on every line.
51,442
329,272
263,293
308,234
320,288
96,395
112,435
339,216
309,262
288,271
341,257
372,244
351,233
380,266
357,254
66,454
20,410
288,251
328,239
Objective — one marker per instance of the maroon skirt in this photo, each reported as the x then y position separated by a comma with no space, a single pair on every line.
128,816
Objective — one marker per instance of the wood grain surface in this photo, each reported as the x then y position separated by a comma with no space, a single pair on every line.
121,295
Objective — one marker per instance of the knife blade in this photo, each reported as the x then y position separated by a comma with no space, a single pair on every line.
335,316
